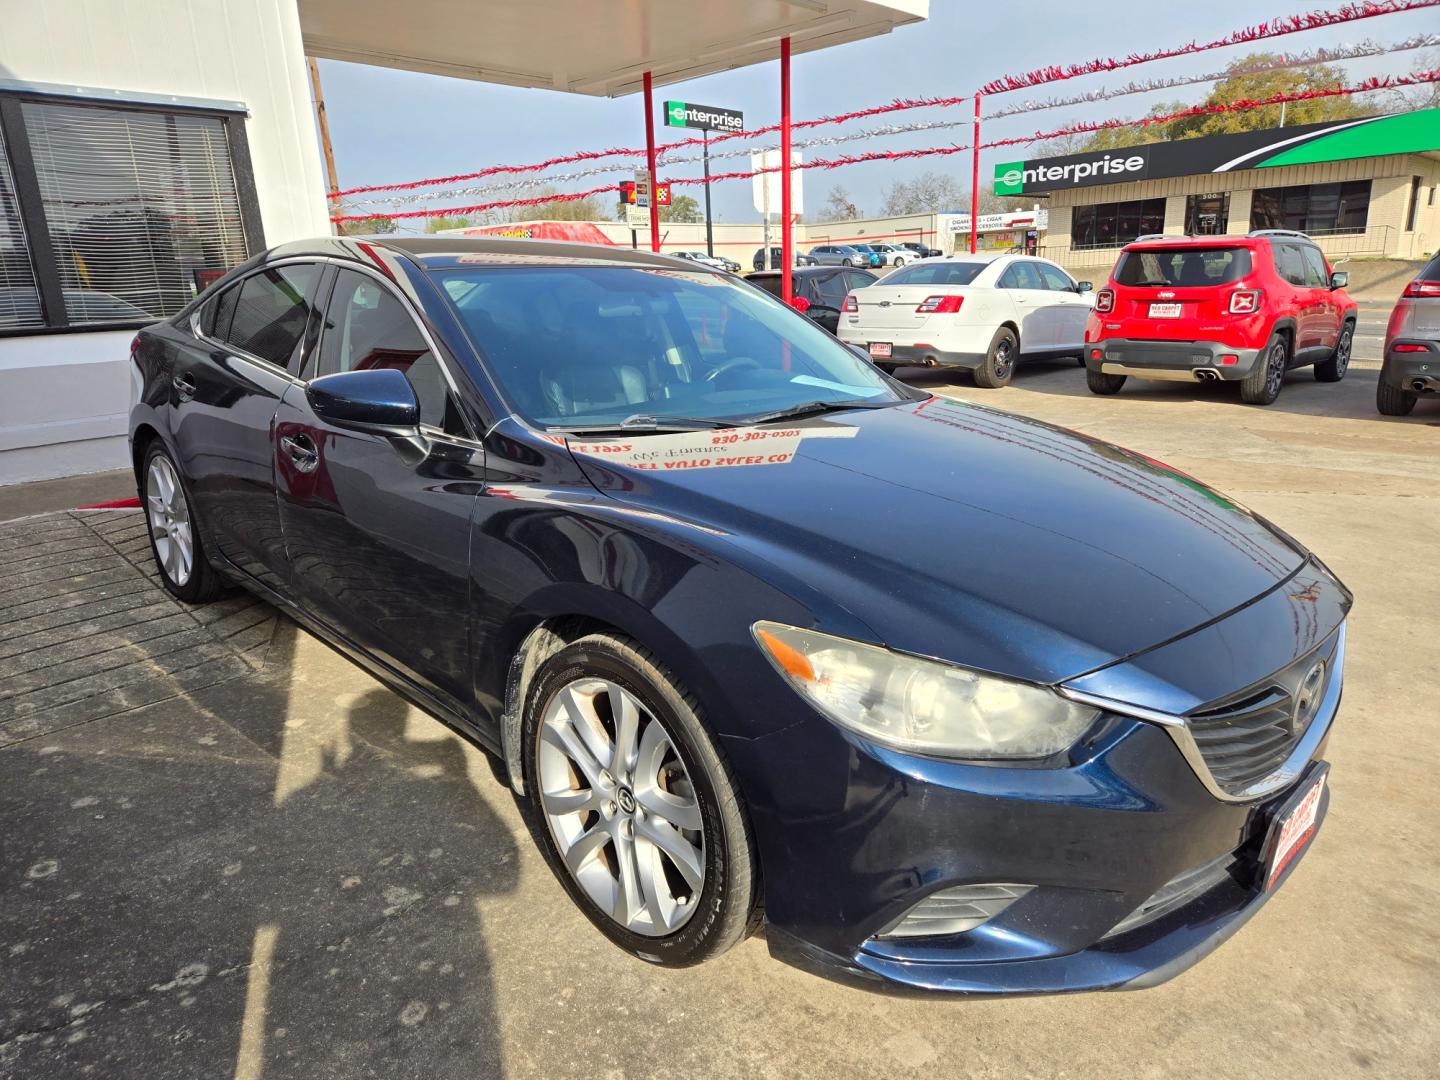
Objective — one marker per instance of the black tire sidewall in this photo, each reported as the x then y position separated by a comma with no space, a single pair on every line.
1255,388
985,374
707,931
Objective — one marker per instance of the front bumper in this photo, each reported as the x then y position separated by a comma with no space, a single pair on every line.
853,835
1416,372
1183,361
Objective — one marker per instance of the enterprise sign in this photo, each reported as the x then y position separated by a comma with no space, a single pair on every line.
1304,144
709,117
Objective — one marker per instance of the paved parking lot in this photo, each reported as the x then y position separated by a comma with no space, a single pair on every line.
225,851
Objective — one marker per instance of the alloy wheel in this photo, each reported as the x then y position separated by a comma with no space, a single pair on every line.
1342,351
621,807
169,517
1275,369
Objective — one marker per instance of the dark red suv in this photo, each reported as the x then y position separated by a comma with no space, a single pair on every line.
1236,308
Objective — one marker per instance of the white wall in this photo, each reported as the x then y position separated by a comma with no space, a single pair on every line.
64,397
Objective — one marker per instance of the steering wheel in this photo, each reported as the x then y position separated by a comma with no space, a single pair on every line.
734,363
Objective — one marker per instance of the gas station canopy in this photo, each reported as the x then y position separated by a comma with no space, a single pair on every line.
585,47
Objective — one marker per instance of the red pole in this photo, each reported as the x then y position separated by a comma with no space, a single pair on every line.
787,242
650,164
975,177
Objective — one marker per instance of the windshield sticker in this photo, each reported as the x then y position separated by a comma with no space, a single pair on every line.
723,449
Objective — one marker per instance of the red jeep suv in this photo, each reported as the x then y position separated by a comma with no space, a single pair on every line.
1236,308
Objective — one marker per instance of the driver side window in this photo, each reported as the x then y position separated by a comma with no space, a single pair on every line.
366,327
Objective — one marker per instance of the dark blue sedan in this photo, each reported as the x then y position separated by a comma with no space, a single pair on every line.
951,699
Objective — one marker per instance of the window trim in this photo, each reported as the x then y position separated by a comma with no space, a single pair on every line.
31,205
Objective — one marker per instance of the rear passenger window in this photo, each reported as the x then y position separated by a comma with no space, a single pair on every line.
367,326
1289,263
271,311
218,312
831,290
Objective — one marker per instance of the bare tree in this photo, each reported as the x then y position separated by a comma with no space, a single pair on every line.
839,206
927,193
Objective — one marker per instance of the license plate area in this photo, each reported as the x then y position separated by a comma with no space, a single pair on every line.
880,350
1166,311
1294,826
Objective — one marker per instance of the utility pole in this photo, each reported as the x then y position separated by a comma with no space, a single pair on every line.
331,178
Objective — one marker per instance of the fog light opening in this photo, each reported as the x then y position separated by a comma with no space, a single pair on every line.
955,910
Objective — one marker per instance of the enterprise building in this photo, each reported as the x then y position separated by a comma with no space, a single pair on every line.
1363,188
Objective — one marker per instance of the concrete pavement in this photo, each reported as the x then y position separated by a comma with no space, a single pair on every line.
226,851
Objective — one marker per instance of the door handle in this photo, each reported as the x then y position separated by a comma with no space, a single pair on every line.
301,449
184,385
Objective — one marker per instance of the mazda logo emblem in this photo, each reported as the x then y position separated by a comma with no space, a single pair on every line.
626,800
1307,698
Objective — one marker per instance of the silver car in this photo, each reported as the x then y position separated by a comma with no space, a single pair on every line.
1412,345
839,255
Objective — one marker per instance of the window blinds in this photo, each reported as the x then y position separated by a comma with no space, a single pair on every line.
19,297
135,201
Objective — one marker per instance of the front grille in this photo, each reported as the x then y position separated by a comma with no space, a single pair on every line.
1246,737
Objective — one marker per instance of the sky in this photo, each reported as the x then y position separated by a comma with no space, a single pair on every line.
390,126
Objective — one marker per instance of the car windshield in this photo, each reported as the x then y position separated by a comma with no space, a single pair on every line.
593,346
937,273
1191,267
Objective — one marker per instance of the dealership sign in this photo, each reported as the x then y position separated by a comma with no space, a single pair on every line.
709,117
1338,140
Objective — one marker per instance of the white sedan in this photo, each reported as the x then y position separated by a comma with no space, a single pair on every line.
981,312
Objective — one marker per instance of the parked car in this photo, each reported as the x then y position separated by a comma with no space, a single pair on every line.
878,258
894,256
718,262
839,255
983,313
777,258
1240,309
818,290
921,251
1412,345
951,699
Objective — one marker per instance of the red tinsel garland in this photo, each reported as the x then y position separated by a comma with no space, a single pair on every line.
1386,82
1293,24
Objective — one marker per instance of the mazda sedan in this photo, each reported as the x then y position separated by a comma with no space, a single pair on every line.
950,699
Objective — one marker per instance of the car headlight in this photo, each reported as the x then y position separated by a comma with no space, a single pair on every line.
922,706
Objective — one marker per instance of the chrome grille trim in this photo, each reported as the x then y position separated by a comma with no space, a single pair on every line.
1193,732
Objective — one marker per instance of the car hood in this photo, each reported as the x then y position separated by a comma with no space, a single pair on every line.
960,532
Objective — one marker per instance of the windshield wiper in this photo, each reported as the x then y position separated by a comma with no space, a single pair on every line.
646,423
815,408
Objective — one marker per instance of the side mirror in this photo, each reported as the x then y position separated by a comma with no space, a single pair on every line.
1339,279
1084,287
379,400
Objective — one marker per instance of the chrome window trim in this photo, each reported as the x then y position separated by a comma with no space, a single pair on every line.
1178,728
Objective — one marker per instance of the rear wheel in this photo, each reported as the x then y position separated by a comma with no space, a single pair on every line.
999,363
1100,383
174,540
1393,401
1333,369
642,821
1262,385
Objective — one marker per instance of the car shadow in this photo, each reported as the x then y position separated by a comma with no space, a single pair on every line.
279,874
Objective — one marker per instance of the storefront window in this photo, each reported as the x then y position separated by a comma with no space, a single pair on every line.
1115,224
1207,215
1315,209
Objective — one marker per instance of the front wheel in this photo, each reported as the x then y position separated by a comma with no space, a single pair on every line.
643,824
999,363
899,263
1262,385
846,262
1393,401
1333,369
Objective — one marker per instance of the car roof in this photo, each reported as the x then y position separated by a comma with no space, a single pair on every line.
435,252
1201,241
807,271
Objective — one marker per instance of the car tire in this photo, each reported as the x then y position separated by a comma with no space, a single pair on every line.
899,263
1262,385
1334,368
999,363
674,763
1393,401
175,541
1101,383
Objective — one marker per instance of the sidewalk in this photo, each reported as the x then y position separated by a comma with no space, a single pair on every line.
67,493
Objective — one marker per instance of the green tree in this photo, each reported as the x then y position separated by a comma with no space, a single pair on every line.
369,226
682,208
1243,85
440,224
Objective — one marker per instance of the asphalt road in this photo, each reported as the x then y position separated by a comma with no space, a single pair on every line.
227,852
